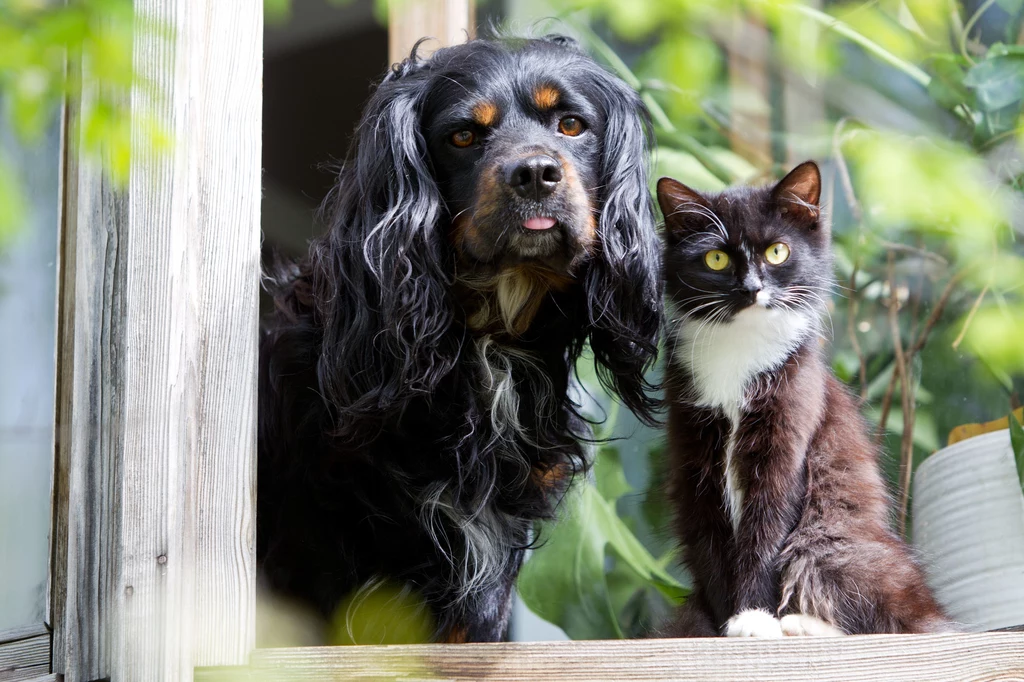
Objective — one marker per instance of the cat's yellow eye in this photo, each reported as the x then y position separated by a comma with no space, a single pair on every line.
716,260
463,138
777,253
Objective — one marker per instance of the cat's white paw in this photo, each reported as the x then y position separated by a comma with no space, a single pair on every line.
802,625
753,623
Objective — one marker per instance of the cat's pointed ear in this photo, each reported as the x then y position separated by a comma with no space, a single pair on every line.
681,206
798,193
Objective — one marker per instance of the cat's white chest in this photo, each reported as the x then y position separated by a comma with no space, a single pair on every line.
722,359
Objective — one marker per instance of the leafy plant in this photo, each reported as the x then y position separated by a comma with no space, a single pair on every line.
591,575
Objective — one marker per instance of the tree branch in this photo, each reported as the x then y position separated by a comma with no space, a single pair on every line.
906,396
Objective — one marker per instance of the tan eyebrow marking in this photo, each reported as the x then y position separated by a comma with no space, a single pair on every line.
546,97
485,113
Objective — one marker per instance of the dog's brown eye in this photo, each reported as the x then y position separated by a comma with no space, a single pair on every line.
463,138
571,126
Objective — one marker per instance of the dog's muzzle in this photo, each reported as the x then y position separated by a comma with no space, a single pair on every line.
529,205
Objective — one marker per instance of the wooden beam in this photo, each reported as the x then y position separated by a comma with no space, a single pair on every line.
447,22
803,96
24,653
154,547
894,658
750,129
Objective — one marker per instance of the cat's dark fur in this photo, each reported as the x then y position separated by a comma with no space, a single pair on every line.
788,532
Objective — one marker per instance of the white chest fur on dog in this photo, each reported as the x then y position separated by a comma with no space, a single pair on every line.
723,358
487,531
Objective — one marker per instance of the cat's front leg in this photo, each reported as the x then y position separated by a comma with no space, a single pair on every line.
770,510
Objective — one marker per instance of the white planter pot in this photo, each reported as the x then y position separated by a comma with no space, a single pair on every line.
968,526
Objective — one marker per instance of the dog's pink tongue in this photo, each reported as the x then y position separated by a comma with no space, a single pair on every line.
539,223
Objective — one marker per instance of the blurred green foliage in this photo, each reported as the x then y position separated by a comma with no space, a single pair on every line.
591,575
381,612
80,51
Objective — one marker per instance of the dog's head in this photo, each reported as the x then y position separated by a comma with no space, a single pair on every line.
515,140
505,168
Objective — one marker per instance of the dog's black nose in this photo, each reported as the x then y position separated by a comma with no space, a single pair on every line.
535,177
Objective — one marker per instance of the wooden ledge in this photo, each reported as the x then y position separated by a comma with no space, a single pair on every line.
954,657
24,653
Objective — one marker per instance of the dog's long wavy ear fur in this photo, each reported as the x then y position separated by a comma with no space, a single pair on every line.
623,285
381,278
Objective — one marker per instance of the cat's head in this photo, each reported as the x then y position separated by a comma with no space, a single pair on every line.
746,247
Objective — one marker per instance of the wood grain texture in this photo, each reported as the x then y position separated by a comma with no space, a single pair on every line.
154,543
446,22
24,653
86,494
893,658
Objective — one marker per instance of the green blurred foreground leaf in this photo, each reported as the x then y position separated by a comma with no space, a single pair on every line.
81,52
381,612
12,202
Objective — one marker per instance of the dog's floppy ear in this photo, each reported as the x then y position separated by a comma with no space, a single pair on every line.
623,286
381,277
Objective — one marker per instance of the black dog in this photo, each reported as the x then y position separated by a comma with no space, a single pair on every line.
415,420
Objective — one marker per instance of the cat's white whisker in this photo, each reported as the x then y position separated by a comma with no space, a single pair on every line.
698,209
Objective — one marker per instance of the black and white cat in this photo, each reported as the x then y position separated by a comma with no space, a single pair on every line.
780,505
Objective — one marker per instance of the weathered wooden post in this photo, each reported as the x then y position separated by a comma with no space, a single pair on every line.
449,22
154,491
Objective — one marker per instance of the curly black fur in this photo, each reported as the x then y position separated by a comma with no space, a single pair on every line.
400,437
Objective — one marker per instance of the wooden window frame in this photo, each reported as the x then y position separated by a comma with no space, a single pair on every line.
153,559
153,545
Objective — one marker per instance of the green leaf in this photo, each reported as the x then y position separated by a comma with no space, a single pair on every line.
845,365
685,168
996,124
713,174
277,11
12,203
926,435
566,579
381,612
609,477
831,23
638,605
656,508
998,81
1011,7
1017,443
947,85
1002,50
